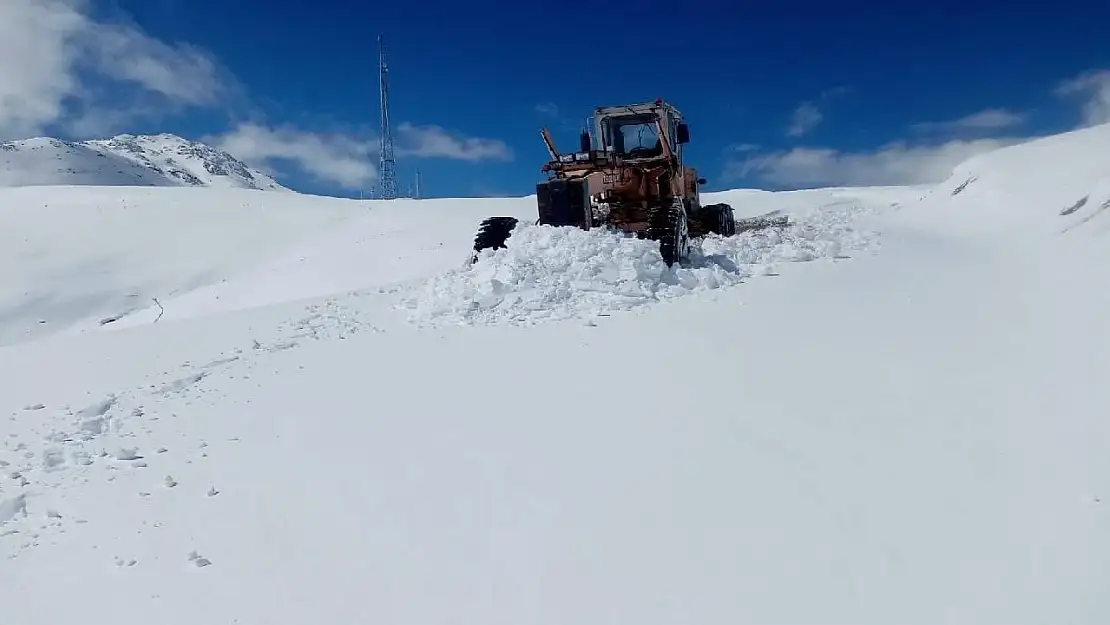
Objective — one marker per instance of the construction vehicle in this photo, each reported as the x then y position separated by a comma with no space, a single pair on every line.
627,174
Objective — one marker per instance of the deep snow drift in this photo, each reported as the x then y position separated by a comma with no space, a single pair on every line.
548,273
915,434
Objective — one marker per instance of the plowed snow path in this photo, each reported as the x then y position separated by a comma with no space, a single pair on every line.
548,273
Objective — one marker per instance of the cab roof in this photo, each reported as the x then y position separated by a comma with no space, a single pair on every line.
658,106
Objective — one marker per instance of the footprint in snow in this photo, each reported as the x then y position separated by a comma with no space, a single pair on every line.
198,559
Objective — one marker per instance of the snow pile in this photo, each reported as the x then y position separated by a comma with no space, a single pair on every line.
547,273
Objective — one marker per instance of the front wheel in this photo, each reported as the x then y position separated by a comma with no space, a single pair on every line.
668,226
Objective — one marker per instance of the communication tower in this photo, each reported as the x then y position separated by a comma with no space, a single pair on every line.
387,166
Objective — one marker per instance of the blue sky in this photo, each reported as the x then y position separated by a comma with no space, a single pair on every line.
808,94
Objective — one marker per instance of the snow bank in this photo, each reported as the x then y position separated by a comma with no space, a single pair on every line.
548,273
83,253
1028,192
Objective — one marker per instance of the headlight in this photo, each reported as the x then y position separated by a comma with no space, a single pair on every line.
582,156
567,158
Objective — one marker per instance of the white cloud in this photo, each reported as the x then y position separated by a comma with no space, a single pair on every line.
332,158
36,63
182,73
804,119
989,119
743,147
808,114
436,142
893,164
1095,87
548,109
899,162
52,52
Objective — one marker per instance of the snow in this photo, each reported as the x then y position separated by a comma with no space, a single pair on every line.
73,252
893,412
557,273
125,160
312,247
1009,194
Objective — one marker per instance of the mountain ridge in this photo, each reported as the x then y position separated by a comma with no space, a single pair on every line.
160,160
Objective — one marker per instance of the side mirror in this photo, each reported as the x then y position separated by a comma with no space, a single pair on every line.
682,132
584,141
702,181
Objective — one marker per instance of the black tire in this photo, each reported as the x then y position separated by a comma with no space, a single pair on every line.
668,226
493,232
719,219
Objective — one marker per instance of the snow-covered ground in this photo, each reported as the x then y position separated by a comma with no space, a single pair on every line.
74,252
74,257
892,412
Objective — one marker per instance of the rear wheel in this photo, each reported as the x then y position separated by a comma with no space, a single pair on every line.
719,219
492,233
668,226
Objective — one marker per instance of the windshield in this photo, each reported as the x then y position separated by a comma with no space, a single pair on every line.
635,136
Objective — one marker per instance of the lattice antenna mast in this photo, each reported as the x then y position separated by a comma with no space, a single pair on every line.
387,166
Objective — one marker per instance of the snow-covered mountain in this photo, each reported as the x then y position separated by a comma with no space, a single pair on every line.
220,405
162,160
